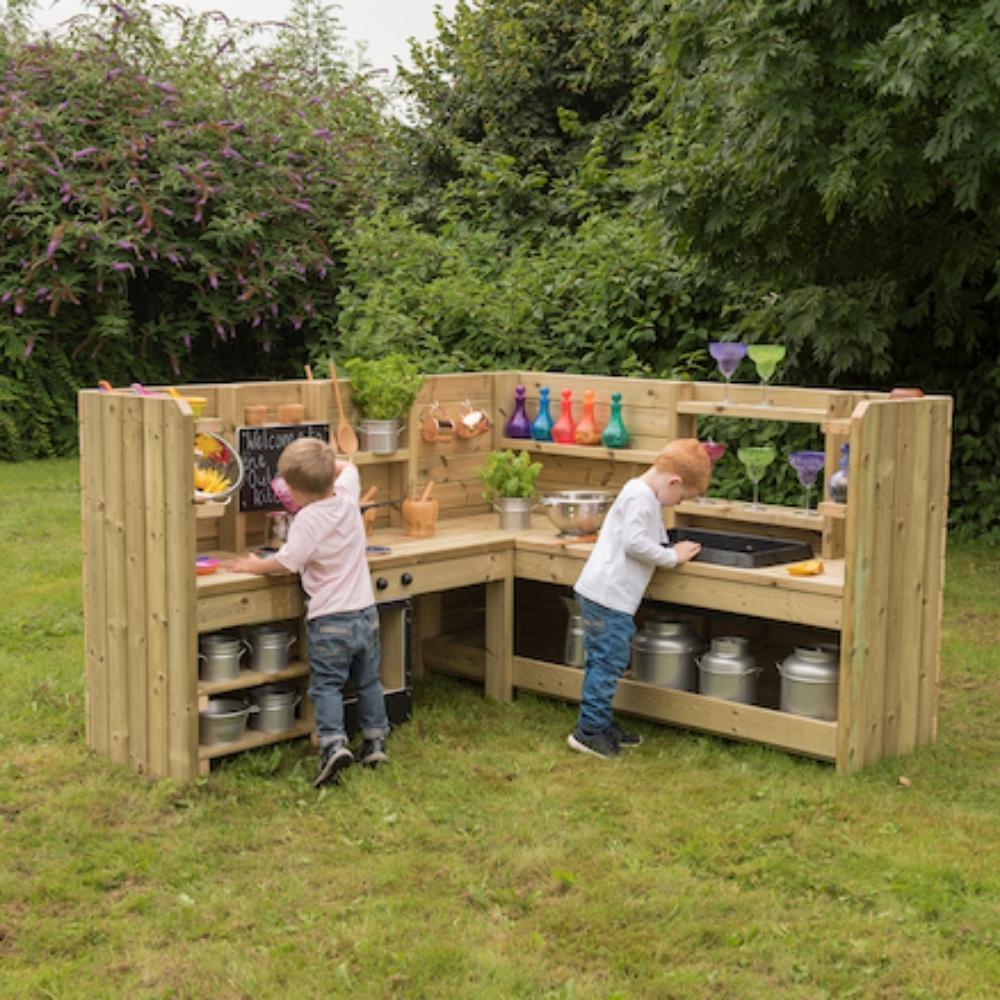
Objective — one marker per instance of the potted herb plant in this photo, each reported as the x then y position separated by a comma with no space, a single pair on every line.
383,390
509,484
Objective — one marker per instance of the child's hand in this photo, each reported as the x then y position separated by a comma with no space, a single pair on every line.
686,551
245,564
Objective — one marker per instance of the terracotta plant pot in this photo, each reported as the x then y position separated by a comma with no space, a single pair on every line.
255,416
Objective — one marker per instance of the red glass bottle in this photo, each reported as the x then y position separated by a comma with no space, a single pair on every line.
562,429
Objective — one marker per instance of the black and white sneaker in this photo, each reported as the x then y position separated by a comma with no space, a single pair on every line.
624,739
599,745
372,752
335,758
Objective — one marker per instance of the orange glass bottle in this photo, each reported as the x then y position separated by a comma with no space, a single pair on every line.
587,430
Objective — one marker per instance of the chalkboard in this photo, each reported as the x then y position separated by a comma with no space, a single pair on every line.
260,448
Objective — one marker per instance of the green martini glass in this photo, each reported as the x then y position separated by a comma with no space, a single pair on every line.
755,461
766,358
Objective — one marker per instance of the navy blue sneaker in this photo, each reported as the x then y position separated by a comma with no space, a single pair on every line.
372,752
624,739
599,745
335,758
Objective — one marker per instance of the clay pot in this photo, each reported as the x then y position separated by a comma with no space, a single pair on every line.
255,416
900,393
291,413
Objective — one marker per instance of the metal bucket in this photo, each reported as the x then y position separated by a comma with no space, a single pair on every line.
276,708
269,650
380,437
515,512
219,658
224,720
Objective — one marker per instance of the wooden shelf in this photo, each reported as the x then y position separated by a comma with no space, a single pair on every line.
790,414
253,738
254,678
209,509
734,510
367,458
634,456
837,511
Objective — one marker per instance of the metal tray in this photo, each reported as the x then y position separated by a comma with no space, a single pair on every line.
744,551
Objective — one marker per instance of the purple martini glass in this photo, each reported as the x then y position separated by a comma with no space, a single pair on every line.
727,357
807,466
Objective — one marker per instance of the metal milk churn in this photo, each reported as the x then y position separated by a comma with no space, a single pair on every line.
573,643
728,670
664,653
809,679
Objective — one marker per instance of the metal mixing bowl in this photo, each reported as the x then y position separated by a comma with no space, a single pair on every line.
578,512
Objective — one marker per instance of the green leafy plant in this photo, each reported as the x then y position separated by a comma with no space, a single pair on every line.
507,474
384,388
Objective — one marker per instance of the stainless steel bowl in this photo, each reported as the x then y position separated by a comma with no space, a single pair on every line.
578,512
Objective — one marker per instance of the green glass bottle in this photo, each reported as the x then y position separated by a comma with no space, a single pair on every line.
615,434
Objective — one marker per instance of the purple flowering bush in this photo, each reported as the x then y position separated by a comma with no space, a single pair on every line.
175,196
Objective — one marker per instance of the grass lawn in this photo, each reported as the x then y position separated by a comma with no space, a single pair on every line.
487,860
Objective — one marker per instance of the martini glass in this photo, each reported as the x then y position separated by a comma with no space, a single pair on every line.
715,450
807,465
727,357
766,357
756,460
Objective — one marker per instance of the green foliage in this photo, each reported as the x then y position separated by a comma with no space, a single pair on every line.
507,474
384,388
174,196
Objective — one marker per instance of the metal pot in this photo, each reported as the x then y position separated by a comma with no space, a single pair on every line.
276,708
219,659
269,650
728,670
224,720
515,512
380,437
809,680
573,655
578,512
664,653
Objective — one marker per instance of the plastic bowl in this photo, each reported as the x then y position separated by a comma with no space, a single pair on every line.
204,565
197,404
578,512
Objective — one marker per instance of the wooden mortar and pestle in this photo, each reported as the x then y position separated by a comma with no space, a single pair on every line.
420,515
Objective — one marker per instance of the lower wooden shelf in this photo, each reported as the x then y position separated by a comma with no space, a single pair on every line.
252,738
737,510
810,737
253,678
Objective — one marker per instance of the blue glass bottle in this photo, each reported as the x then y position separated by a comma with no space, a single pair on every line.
541,429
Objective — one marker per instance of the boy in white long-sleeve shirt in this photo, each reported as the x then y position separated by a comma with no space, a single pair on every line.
631,545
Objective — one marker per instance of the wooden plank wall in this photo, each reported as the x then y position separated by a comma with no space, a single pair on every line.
895,540
452,465
139,582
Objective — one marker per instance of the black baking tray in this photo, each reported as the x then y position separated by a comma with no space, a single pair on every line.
743,551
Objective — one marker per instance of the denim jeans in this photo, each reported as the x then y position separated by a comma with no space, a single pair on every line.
345,647
607,638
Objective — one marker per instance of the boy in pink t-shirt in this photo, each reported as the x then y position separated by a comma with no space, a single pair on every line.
326,547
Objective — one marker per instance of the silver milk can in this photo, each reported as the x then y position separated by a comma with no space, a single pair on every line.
664,653
573,643
728,670
809,680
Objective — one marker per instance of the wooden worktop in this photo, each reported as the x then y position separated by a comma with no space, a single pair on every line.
479,534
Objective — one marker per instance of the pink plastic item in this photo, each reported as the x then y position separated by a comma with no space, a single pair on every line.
280,489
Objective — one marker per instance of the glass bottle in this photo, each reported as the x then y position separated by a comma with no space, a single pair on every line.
519,424
562,430
837,486
615,435
587,431
541,429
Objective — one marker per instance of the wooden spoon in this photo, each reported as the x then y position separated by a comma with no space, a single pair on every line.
426,495
347,440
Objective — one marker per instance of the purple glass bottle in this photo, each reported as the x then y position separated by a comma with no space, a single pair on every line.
519,425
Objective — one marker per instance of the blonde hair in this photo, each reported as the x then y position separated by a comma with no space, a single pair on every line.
687,458
308,465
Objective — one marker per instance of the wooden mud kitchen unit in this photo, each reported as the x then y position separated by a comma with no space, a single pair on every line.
878,598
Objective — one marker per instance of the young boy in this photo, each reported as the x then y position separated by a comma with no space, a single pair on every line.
631,544
326,546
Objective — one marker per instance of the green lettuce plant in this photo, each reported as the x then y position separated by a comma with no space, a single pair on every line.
384,388
507,474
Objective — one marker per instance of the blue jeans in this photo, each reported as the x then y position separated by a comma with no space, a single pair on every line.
607,638
346,647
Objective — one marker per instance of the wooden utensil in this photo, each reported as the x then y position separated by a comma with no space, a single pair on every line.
347,440
426,495
368,516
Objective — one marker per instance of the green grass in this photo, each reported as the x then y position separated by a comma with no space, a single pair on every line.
487,861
